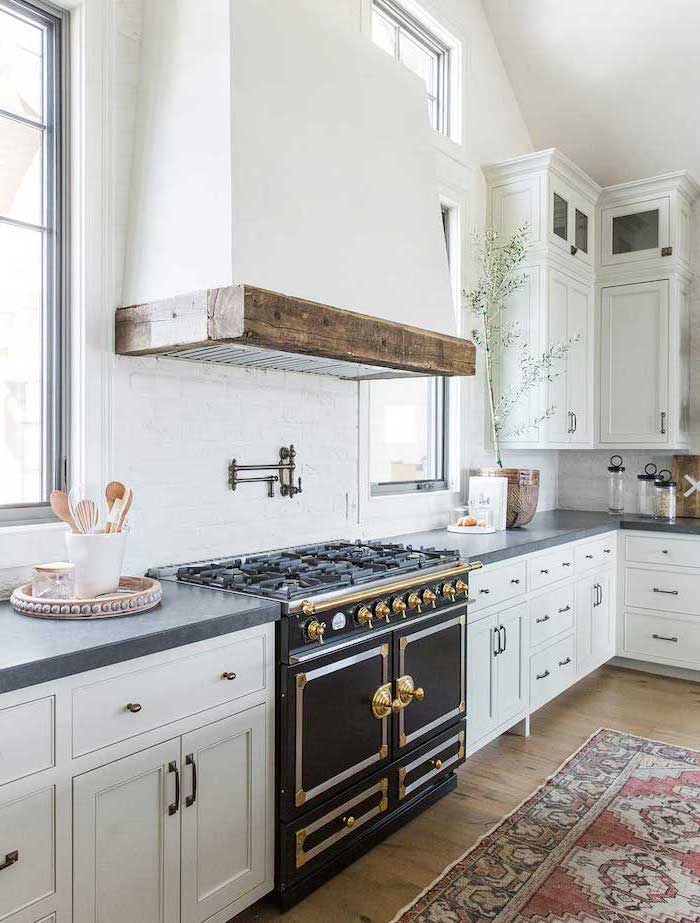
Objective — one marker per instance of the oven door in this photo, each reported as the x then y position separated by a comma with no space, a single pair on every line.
429,666
335,722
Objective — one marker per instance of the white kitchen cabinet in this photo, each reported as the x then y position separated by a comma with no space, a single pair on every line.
595,618
496,682
224,767
635,386
569,315
637,230
126,839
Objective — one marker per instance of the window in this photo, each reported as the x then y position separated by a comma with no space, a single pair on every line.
32,332
408,427
407,40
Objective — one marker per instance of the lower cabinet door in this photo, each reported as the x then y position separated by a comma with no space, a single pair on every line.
224,796
481,678
126,839
594,622
27,866
511,685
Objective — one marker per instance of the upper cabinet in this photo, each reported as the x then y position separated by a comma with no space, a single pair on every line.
609,269
647,222
555,198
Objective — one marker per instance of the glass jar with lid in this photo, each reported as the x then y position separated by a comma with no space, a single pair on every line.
646,491
54,581
665,489
616,486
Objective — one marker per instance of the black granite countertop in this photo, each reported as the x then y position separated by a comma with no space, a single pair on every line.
555,527
38,650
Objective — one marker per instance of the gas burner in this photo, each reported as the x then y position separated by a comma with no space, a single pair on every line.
311,569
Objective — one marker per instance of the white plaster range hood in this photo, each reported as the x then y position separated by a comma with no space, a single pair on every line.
278,151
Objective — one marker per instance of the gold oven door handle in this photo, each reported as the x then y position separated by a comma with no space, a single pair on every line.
407,691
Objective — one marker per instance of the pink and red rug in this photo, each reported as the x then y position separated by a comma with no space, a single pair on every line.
613,836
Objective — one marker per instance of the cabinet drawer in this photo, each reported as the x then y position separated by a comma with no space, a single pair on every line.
432,762
551,671
550,567
487,587
662,550
315,839
660,589
590,555
662,638
551,614
26,739
27,851
130,704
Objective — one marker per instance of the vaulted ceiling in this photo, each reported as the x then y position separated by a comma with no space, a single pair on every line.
614,84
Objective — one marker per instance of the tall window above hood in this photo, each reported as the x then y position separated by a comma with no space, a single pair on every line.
407,39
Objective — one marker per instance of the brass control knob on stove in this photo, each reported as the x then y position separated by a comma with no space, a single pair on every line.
315,630
448,591
429,597
363,616
382,611
398,606
462,587
413,601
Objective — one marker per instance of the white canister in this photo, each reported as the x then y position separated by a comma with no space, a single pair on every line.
98,559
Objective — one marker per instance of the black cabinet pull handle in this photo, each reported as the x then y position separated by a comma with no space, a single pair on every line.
566,563
542,675
189,761
565,609
664,551
228,675
544,571
545,618
664,638
485,590
666,592
133,707
10,859
515,580
589,557
505,636
175,806
563,663
606,551
497,636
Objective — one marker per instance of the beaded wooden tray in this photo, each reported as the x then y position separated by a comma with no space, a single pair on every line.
135,594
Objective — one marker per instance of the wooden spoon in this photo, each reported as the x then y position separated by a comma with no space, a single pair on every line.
114,492
126,502
59,505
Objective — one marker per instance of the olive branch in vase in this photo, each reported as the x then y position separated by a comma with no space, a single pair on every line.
500,261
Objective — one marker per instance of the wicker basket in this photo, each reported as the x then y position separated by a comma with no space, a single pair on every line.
523,492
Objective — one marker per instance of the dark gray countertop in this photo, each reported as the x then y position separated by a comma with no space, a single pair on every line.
38,650
555,527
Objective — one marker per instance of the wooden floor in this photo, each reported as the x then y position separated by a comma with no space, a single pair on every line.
492,783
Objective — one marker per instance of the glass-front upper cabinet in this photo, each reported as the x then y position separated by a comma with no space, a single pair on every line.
637,231
570,223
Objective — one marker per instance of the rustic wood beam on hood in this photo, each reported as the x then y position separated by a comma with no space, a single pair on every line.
255,322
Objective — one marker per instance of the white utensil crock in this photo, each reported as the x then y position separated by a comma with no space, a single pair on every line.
98,560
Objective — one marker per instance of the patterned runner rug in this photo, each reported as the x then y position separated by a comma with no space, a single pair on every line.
613,836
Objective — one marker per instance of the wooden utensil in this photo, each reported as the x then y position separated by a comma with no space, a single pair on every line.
126,502
61,508
114,493
84,510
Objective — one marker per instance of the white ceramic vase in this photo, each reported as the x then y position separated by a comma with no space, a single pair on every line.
98,560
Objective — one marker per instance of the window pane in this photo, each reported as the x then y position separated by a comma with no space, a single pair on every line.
20,171
421,61
21,46
581,231
405,418
634,232
560,221
21,365
384,33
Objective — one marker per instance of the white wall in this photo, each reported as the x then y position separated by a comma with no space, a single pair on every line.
175,425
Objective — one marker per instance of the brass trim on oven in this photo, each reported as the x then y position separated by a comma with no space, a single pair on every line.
461,620
302,857
388,588
303,796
